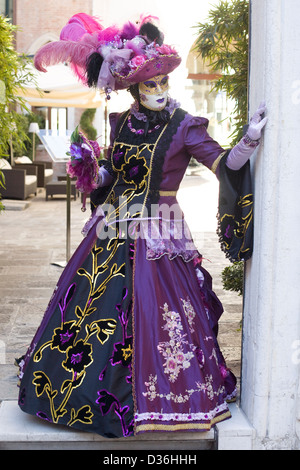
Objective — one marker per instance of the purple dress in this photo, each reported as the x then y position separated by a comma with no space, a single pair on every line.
128,343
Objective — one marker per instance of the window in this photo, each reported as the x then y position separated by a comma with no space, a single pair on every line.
6,8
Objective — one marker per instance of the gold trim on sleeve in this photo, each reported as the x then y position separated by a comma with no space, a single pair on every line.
167,193
217,161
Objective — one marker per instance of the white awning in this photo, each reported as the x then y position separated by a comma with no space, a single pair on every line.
60,89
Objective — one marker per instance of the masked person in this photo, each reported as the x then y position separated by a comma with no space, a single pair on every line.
128,343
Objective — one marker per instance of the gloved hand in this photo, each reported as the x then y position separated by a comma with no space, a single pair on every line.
257,123
241,153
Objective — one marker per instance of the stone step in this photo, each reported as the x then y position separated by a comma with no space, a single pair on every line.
21,431
16,205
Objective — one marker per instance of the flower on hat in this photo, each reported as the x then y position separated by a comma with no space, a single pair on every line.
137,61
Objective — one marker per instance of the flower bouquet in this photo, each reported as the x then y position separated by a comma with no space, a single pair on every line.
83,163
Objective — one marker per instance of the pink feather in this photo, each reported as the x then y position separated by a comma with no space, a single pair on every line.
62,51
79,73
108,34
91,23
90,40
148,19
72,32
79,25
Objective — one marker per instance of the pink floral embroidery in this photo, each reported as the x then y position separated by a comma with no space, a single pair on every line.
206,387
176,359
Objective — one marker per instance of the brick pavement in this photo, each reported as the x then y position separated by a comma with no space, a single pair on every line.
33,238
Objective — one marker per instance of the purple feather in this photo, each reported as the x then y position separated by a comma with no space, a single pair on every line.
129,31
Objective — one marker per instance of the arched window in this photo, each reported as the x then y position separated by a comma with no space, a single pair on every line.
41,41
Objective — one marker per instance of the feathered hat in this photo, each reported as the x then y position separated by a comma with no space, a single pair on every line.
110,58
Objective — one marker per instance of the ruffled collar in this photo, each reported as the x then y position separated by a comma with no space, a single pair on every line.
170,107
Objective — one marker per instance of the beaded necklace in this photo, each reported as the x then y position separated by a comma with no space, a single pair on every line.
140,131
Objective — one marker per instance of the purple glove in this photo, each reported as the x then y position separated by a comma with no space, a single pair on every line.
104,178
241,153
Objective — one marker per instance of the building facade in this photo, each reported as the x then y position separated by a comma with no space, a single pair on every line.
192,91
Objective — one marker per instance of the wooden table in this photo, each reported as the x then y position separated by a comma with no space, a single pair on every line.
60,188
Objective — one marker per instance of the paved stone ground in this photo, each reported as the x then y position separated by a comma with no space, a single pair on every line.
33,238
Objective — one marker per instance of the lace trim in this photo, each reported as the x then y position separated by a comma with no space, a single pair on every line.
201,416
162,237
96,216
191,426
170,238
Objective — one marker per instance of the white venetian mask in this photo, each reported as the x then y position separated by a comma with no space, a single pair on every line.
154,92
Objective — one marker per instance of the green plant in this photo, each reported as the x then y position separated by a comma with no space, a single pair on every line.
86,123
233,277
223,41
14,73
24,120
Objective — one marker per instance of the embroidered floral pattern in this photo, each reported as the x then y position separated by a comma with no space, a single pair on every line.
173,351
131,162
77,353
189,313
206,386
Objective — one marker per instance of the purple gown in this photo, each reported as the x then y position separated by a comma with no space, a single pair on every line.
128,343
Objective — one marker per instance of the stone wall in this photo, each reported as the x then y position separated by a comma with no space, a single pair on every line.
271,331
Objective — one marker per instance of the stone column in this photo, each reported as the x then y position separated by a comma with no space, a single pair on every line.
271,329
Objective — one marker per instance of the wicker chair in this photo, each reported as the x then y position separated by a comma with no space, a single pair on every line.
19,183
44,170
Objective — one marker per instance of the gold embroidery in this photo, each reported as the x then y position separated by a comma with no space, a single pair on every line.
127,352
168,193
217,161
84,415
